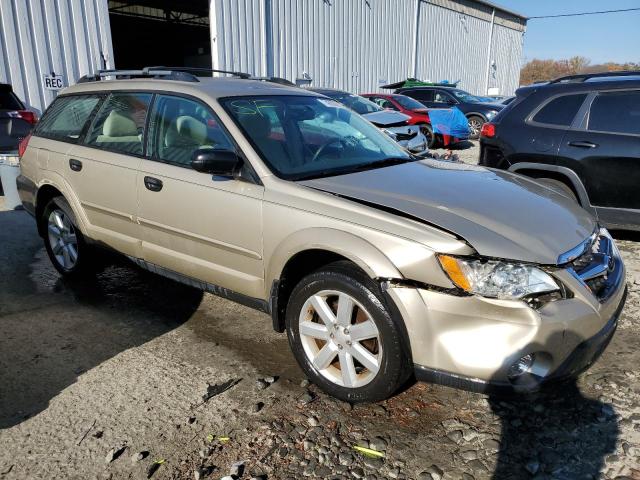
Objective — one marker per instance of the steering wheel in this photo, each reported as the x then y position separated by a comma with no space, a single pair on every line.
345,142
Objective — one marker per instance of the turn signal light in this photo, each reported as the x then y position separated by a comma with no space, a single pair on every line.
488,130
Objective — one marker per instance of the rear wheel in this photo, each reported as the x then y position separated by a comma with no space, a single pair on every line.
475,125
65,244
343,335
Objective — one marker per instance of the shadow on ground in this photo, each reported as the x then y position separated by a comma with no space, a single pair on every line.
53,330
556,433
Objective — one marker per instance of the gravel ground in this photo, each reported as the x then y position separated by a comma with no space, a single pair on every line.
111,379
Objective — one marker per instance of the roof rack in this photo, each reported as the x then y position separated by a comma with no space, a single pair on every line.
185,74
581,77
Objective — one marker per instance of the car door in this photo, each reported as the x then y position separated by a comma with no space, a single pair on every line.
545,129
201,226
103,169
605,150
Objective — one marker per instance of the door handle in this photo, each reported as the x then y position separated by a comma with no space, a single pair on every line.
153,184
75,165
583,144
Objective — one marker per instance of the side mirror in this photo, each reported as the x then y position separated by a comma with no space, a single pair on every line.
216,162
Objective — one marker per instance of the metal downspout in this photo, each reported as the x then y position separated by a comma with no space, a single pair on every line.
416,26
486,81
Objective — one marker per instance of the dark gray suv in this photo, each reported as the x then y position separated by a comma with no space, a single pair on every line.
476,110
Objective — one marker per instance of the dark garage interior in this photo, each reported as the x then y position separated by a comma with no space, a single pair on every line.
160,32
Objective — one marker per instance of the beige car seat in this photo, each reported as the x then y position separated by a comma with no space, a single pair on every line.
119,128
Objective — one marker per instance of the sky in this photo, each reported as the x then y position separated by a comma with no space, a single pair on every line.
601,38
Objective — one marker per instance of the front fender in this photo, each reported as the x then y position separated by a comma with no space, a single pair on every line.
364,254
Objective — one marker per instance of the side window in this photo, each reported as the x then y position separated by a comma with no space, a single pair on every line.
441,97
617,112
65,119
119,124
180,126
421,95
384,103
560,111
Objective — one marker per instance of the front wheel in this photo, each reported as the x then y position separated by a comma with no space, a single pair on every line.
344,337
65,244
427,131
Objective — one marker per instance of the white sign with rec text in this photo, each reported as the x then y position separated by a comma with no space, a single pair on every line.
53,81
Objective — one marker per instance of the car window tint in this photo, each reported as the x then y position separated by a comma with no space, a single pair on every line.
66,117
617,112
422,95
383,102
8,101
180,126
560,111
119,124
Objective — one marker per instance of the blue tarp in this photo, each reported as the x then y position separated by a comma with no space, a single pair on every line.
449,121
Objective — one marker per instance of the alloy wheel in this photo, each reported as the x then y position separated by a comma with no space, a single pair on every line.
475,126
340,338
62,239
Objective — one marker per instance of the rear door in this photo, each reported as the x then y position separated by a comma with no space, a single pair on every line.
103,169
546,127
606,150
207,228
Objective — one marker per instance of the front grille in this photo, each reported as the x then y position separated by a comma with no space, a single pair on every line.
599,266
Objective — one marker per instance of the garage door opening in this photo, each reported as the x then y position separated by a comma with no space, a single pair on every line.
160,32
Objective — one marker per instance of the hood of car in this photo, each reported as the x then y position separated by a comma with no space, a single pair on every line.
384,118
499,214
491,105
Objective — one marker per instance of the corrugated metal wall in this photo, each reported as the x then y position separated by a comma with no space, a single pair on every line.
38,37
358,44
347,44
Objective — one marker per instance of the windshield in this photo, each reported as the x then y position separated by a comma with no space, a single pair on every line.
465,96
355,102
408,102
310,137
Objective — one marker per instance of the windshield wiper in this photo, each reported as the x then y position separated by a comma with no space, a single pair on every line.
386,162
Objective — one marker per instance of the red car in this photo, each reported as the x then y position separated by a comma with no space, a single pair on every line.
417,111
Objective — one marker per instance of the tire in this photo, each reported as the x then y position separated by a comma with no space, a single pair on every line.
432,140
475,125
63,240
361,357
558,186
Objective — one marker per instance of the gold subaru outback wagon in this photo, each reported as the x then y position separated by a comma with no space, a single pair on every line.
380,266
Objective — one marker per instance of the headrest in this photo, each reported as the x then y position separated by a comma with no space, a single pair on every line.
186,130
119,125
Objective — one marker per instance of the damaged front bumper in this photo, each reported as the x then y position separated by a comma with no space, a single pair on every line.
474,343
409,137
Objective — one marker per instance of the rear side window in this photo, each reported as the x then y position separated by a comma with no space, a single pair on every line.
421,95
8,100
67,116
180,126
617,112
119,125
561,110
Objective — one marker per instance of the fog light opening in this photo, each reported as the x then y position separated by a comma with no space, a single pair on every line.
522,366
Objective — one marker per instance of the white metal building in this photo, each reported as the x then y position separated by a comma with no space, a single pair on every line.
356,45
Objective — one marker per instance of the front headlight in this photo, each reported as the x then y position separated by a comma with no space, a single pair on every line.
497,279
